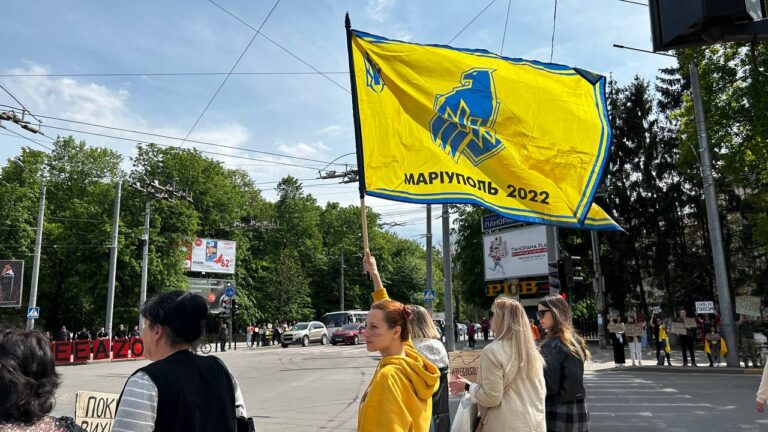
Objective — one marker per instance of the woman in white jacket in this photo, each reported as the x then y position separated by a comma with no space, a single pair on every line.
510,388
427,342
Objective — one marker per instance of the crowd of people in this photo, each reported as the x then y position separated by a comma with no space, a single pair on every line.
64,335
521,385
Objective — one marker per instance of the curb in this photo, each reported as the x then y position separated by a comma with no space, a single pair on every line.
688,370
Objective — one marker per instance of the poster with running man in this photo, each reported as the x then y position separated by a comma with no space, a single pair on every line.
11,278
515,253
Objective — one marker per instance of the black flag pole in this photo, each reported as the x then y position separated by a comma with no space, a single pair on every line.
358,135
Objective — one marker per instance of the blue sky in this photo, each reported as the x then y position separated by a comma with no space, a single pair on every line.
300,115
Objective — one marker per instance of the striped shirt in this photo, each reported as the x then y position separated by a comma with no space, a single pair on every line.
138,406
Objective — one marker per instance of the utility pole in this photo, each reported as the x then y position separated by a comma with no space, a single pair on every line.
428,284
36,259
447,281
713,221
156,191
144,262
113,260
341,285
599,289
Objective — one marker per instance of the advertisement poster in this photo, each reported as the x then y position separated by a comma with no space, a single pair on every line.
211,256
212,290
515,253
11,282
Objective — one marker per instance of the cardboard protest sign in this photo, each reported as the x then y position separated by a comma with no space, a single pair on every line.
464,363
614,327
678,328
95,412
748,305
633,329
690,322
705,307
713,337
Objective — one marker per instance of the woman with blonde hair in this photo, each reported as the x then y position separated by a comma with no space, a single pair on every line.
564,352
399,397
510,388
427,342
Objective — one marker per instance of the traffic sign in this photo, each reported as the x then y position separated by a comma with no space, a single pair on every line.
429,295
230,292
33,313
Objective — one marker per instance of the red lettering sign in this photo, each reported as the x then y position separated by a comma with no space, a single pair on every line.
82,351
61,352
120,349
101,348
137,348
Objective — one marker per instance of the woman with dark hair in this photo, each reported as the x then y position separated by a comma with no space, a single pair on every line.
564,353
399,397
178,381
28,383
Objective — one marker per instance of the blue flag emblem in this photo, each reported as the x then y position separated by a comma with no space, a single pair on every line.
465,117
373,75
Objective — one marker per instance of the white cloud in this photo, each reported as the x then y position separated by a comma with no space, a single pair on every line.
379,10
331,130
306,150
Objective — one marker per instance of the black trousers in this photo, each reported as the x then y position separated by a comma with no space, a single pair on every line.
659,351
686,344
471,340
223,344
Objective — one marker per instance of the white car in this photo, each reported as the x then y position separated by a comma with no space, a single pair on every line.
305,333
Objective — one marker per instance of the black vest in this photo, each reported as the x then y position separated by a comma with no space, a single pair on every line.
441,413
195,393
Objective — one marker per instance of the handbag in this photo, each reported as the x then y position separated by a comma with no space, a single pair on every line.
465,414
245,424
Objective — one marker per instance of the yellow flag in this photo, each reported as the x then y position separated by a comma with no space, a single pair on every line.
438,124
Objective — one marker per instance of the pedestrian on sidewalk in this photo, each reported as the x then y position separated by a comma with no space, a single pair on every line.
687,340
662,342
102,334
471,330
83,334
714,346
120,333
510,390
617,341
135,332
63,335
29,381
251,330
399,396
635,348
427,342
223,337
485,326
747,337
564,353
178,381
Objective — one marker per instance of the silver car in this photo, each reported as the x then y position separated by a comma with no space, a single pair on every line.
304,333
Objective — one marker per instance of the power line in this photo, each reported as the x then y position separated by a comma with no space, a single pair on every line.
19,102
289,52
633,2
229,74
506,22
181,139
26,138
471,21
552,43
128,74
314,168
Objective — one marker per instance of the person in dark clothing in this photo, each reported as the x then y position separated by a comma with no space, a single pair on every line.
485,326
178,381
564,353
687,340
471,331
101,334
63,335
120,333
223,337
83,334
29,381
617,341
135,332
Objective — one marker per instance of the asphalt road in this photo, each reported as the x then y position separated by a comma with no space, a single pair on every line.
319,388
625,400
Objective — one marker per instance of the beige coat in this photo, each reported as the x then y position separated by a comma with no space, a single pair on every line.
521,407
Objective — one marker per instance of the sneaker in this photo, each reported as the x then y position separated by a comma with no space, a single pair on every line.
640,362
633,362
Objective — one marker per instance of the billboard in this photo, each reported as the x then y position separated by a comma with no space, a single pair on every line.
212,290
11,282
211,256
516,253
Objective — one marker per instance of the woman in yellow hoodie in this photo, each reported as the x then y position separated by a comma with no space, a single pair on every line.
399,397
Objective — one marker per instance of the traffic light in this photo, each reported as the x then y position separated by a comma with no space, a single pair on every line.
575,276
555,274
690,23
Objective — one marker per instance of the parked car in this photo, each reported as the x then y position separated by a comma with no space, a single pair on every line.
348,334
304,333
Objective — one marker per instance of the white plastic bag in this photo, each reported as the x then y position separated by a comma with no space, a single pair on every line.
465,416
